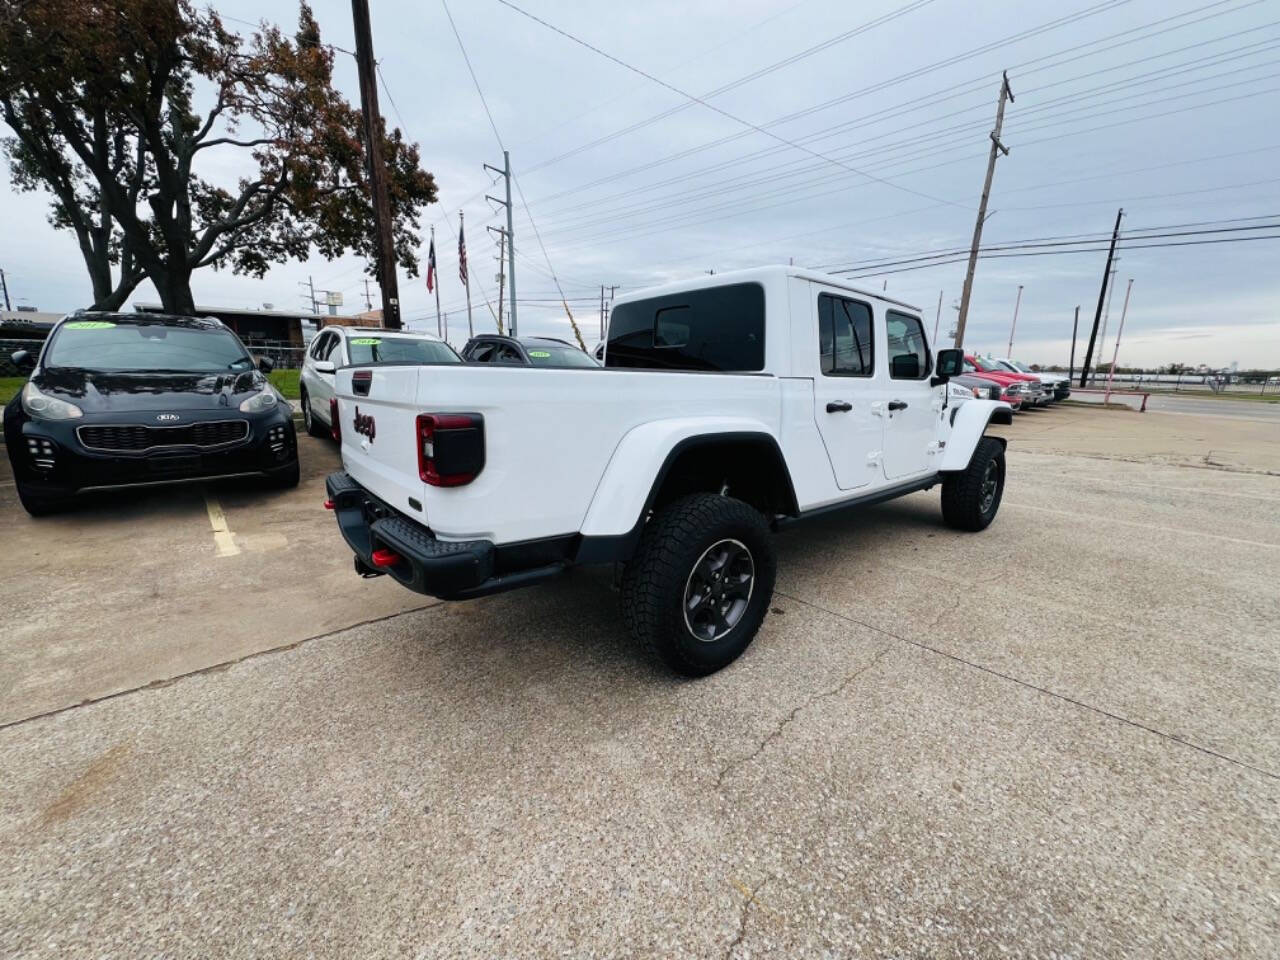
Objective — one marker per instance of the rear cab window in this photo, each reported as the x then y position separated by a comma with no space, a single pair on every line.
718,329
845,343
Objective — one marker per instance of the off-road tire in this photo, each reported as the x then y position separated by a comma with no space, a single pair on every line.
655,581
314,426
965,502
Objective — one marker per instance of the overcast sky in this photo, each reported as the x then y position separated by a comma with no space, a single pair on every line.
1168,108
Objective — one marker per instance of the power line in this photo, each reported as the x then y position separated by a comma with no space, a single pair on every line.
724,113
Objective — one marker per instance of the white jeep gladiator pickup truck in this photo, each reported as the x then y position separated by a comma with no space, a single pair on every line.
726,407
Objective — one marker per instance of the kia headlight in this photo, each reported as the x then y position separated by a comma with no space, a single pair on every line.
41,406
260,402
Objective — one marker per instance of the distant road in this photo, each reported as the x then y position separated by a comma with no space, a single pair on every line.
1206,407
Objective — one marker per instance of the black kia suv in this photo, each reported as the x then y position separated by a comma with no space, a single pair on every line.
118,400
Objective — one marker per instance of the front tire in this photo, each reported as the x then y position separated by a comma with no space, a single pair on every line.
309,421
700,583
37,505
971,497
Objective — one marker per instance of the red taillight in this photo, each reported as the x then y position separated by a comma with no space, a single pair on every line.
383,557
335,427
450,448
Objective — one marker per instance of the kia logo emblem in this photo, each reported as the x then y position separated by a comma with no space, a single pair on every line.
166,417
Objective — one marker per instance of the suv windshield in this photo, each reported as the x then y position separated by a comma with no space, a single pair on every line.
543,353
365,350
118,347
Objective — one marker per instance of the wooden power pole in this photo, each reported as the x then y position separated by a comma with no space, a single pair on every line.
1102,295
384,243
997,147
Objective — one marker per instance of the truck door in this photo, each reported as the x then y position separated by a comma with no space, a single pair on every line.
843,391
910,418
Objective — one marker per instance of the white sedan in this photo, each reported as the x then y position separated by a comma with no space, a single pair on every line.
335,347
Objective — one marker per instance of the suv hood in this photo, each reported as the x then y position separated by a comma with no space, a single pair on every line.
103,392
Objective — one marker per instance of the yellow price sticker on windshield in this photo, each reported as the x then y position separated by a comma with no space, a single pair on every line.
366,341
89,325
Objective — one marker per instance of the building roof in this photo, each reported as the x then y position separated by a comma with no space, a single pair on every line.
236,312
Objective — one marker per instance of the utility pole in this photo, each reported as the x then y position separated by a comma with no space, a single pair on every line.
997,147
1106,311
368,303
1124,310
602,311
1016,305
372,121
511,233
1097,317
502,241
1071,370
937,319
5,285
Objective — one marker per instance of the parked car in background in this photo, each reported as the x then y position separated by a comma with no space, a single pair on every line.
1011,391
335,347
981,388
1057,386
1033,393
132,399
525,351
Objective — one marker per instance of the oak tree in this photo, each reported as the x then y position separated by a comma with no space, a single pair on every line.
171,143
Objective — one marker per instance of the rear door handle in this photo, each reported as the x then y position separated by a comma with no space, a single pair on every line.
839,406
897,405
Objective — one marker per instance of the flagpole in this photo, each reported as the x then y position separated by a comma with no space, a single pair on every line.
466,273
436,278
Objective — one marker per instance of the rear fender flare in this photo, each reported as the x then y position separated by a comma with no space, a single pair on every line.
968,427
641,460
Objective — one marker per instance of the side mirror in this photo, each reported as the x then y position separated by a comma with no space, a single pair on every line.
23,360
950,364
325,366
265,364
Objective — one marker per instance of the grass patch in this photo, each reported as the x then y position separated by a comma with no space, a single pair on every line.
9,387
286,381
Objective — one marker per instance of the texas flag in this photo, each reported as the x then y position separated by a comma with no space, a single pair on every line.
431,265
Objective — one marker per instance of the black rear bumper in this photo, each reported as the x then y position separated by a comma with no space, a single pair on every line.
448,569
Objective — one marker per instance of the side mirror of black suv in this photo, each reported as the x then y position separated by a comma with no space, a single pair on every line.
23,360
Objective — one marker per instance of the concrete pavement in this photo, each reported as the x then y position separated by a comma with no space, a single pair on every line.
1056,738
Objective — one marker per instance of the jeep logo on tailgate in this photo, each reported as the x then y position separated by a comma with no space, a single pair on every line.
364,424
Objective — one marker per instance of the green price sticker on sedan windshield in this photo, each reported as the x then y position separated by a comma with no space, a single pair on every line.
366,341
540,354
89,325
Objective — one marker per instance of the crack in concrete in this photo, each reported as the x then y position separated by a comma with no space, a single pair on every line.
212,668
1170,737
742,919
795,712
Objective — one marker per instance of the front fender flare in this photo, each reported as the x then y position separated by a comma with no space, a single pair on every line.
969,424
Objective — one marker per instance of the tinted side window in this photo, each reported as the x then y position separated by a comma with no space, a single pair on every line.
720,328
320,346
908,349
480,353
844,337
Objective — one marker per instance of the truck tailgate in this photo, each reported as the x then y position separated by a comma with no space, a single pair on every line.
377,423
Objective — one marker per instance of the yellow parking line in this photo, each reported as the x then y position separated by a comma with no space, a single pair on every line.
223,540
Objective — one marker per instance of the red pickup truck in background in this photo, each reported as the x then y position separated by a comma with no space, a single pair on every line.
1027,389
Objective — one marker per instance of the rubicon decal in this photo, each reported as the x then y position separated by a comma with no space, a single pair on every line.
364,424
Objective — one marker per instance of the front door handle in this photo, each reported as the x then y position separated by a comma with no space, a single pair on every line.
839,406
897,405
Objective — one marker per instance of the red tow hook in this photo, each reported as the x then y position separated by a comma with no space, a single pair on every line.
329,505
382,557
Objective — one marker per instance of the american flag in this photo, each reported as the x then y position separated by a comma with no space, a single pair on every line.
431,264
462,256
